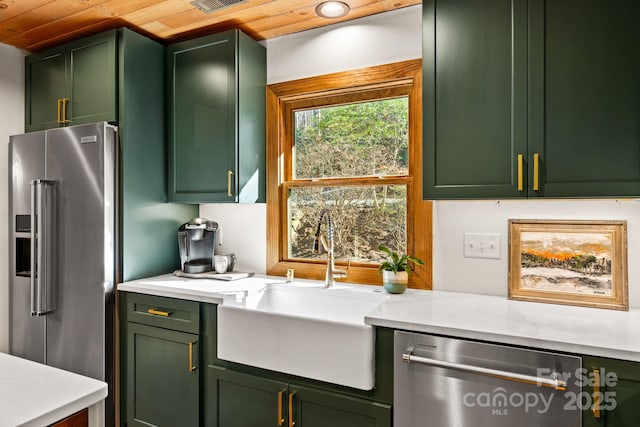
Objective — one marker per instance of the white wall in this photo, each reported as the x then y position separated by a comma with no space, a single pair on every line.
453,272
374,40
11,123
391,37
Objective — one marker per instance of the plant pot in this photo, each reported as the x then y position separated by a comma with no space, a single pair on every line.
395,283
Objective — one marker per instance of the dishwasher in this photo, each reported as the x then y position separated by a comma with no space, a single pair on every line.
450,382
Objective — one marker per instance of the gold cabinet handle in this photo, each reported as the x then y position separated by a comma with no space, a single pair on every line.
59,111
191,366
280,418
597,395
536,175
159,312
65,101
520,162
229,174
292,423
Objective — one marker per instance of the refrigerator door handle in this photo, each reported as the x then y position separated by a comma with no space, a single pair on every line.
40,209
34,278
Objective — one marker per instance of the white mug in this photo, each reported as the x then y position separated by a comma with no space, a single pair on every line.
220,263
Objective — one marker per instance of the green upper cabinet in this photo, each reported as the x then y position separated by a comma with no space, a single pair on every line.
531,99
72,84
619,386
584,97
216,104
474,100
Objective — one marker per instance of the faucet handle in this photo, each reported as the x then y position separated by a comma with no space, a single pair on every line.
341,274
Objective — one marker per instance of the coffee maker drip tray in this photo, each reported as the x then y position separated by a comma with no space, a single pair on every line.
197,266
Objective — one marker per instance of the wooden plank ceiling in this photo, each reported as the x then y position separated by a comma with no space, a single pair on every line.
37,24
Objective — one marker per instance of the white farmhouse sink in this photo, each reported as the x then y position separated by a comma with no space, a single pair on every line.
307,331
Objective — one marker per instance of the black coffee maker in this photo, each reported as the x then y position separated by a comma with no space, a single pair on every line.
196,242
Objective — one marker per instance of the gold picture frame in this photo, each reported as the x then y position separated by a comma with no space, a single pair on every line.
569,262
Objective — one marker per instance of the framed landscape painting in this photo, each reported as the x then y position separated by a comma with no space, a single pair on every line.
569,262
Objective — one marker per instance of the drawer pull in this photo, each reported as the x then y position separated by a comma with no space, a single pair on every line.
292,423
60,111
597,395
229,175
536,172
191,366
65,121
280,418
520,183
159,312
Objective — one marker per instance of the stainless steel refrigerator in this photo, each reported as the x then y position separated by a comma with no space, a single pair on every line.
63,205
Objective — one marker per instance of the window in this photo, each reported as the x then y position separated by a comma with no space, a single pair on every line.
348,142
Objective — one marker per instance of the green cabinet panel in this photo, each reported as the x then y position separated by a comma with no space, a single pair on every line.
45,86
241,400
162,383
92,79
83,72
237,399
474,97
317,408
553,82
620,392
216,104
584,97
148,224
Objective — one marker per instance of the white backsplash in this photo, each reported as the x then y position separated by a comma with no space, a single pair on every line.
243,231
453,272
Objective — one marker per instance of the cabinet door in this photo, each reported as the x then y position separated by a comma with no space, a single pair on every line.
474,98
92,79
620,388
202,119
585,97
315,408
45,85
162,377
241,400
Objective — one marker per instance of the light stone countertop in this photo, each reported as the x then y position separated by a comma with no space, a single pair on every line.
35,395
580,330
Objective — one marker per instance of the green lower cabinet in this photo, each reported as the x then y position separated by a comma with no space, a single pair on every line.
162,380
316,408
237,399
241,400
619,386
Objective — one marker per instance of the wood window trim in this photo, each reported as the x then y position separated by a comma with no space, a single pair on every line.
280,97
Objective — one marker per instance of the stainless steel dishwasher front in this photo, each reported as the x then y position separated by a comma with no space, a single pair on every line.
449,382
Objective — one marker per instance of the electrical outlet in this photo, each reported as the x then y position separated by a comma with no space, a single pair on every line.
482,245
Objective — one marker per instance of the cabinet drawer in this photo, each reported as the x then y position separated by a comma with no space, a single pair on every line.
169,313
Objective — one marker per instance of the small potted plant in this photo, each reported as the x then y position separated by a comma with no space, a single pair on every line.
395,270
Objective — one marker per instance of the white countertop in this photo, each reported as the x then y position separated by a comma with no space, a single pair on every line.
581,330
32,394
203,290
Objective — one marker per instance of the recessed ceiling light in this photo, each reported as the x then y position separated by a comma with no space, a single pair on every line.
332,9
